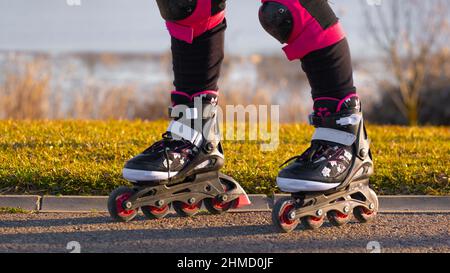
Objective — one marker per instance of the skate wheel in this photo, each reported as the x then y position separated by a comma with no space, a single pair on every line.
186,210
313,223
337,218
214,206
280,215
116,203
364,215
154,212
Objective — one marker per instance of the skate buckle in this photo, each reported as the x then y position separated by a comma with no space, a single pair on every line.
319,212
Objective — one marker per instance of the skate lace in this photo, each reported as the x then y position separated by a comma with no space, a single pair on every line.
317,150
167,142
166,145
166,155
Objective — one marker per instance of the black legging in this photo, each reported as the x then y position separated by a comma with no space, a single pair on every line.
197,66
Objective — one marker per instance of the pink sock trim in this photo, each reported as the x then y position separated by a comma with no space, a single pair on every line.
181,94
344,99
326,98
207,92
191,97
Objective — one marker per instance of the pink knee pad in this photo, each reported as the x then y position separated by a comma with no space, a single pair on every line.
198,23
307,34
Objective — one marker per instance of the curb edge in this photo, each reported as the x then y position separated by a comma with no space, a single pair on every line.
260,203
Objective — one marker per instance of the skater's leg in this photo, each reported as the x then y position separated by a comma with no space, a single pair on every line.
182,169
312,34
332,177
197,29
329,71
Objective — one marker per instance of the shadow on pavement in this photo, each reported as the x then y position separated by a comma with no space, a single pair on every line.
215,239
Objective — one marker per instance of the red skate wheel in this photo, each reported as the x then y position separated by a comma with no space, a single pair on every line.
186,210
116,205
312,222
152,212
282,215
338,218
364,215
216,206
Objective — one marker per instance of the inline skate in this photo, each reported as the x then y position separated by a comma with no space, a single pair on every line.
181,170
331,178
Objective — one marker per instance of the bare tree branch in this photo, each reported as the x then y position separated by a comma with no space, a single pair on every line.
410,33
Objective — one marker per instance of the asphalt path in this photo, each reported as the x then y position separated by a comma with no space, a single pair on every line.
236,232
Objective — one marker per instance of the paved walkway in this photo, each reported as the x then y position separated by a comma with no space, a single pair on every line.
237,232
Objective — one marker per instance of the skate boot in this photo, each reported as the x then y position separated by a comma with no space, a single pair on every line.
331,178
184,149
181,170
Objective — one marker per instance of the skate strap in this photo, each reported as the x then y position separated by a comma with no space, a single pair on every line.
335,121
181,131
333,135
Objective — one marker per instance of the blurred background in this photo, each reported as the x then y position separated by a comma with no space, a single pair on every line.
110,59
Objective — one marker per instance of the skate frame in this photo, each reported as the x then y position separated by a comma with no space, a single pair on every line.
357,194
206,185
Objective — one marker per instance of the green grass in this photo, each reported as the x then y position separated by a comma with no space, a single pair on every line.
86,157
14,211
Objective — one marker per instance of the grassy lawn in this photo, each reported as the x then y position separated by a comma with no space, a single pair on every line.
86,157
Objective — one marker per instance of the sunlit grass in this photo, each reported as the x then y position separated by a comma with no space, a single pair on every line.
14,211
86,157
